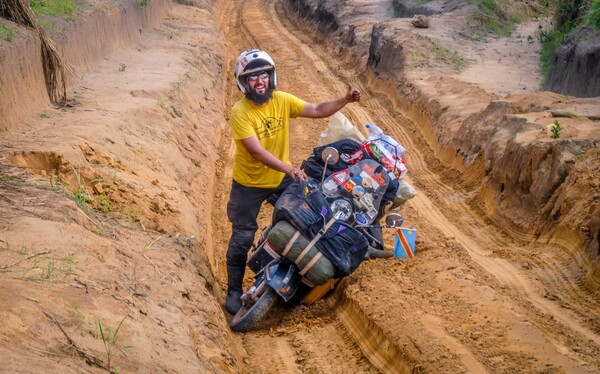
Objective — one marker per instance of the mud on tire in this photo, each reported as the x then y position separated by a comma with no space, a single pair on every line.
247,316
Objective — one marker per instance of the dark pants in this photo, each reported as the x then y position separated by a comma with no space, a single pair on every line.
242,210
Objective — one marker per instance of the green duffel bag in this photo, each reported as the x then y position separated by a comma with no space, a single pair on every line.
287,241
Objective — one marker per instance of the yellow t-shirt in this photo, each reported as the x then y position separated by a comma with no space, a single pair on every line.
270,124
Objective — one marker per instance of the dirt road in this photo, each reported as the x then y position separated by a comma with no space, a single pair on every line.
113,210
476,299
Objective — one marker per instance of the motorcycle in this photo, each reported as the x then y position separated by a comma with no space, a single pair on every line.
320,233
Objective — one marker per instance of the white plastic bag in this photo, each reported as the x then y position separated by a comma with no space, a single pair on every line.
338,128
404,193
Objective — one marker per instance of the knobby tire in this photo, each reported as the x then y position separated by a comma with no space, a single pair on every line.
246,317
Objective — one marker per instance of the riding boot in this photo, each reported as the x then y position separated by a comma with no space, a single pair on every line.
377,253
233,303
240,242
235,278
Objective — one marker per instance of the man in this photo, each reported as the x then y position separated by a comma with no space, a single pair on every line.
262,170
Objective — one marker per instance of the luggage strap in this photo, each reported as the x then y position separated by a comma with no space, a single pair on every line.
311,263
289,245
312,242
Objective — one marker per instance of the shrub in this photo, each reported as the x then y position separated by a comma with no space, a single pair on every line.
593,17
555,129
550,41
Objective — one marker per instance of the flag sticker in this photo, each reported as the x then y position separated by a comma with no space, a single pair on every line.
404,242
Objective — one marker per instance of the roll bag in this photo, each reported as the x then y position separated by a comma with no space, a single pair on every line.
288,242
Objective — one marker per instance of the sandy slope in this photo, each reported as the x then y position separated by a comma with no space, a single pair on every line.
149,142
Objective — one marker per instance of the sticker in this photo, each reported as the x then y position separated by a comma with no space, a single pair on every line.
360,218
358,191
372,213
329,186
367,200
340,177
367,182
372,172
350,185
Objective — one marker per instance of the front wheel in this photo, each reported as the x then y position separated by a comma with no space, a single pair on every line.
248,315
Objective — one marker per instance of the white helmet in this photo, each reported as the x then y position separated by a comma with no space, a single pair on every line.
250,61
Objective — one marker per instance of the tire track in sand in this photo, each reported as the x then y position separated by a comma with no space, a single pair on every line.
478,246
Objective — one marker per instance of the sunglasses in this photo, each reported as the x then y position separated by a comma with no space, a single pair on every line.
259,75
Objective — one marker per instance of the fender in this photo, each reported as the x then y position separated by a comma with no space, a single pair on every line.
284,278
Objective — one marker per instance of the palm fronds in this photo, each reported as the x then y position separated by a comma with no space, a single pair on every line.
56,69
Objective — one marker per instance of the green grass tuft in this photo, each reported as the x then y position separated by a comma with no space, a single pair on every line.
7,33
494,17
593,17
550,41
56,8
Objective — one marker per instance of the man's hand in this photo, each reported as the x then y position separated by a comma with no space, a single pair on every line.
296,173
327,108
352,95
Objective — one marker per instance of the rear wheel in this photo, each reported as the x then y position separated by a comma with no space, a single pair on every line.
248,315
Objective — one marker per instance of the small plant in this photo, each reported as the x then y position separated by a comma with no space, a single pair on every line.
143,3
79,316
80,198
66,263
7,33
55,184
104,202
36,259
49,271
78,99
79,194
109,338
52,268
134,218
45,114
555,129
122,67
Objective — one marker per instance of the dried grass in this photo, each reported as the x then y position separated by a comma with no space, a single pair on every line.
56,69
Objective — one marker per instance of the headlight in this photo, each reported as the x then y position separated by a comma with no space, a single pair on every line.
341,209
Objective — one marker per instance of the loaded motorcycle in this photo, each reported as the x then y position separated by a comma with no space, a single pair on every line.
320,232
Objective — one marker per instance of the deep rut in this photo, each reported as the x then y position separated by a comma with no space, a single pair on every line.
317,339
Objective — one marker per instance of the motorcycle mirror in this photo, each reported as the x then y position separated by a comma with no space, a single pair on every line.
330,155
394,220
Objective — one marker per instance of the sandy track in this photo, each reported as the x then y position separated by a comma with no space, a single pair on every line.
300,340
541,332
475,298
